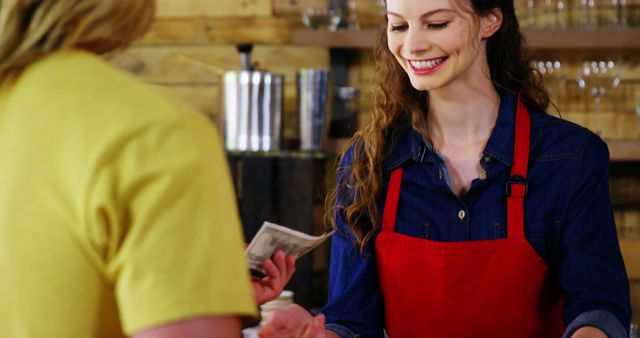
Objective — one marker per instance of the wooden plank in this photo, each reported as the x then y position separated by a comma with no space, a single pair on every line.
206,64
624,150
214,8
631,253
208,30
363,39
176,64
206,98
575,38
203,97
201,85
635,300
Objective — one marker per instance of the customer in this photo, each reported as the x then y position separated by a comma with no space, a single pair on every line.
117,215
463,209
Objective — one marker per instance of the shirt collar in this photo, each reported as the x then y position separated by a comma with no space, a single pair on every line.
409,144
500,144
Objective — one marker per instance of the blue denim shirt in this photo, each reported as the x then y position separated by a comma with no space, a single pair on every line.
568,221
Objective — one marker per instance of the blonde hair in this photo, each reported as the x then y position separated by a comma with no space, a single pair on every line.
31,29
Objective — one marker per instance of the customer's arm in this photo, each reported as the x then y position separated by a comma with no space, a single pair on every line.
205,327
175,249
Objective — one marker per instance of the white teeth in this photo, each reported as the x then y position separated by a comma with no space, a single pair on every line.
426,64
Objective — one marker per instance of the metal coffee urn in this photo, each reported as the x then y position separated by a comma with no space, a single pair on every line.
252,107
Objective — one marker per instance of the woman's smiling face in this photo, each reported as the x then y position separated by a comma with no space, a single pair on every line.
434,41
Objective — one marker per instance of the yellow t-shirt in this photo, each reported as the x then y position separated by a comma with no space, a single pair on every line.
116,208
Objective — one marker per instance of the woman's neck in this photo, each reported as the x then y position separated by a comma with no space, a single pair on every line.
462,117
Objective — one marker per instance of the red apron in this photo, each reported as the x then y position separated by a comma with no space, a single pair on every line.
489,288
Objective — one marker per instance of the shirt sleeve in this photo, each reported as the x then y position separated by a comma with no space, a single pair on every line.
591,269
355,305
602,319
175,247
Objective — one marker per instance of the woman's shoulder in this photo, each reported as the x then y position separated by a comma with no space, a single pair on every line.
555,137
85,85
401,143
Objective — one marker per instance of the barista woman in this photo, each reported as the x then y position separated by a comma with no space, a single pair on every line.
462,208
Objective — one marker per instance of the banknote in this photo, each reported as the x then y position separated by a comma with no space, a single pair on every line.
272,237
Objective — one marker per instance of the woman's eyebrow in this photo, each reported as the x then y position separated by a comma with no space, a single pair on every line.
427,14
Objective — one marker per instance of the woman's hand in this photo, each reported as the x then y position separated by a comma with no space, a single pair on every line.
588,332
279,270
293,322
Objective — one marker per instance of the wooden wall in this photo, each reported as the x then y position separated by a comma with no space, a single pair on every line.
192,43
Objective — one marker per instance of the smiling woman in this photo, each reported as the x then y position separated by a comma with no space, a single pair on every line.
462,209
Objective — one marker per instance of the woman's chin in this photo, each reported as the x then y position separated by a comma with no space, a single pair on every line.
424,85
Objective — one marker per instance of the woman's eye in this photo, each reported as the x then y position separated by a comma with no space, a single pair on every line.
397,28
439,25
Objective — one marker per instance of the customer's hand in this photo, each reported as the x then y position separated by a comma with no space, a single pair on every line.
279,270
293,322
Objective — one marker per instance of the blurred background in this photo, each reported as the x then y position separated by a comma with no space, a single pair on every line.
288,81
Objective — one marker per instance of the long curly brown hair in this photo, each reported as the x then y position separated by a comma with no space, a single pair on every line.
31,29
397,103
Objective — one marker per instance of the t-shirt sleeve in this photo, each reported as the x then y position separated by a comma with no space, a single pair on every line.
173,241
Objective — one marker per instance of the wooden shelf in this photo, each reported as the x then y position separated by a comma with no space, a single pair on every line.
622,151
596,39
625,202
606,38
631,252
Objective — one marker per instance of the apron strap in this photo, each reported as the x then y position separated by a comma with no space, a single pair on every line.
391,203
517,184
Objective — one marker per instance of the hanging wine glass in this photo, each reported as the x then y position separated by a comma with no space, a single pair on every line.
598,71
531,14
322,15
597,92
582,75
561,14
560,80
352,19
617,95
584,14
624,13
549,17
592,14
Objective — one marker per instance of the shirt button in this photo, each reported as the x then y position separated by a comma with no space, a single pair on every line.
483,175
487,158
461,214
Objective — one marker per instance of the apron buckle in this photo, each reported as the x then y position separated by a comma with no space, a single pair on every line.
517,179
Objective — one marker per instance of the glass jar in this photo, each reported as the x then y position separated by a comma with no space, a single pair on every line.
322,15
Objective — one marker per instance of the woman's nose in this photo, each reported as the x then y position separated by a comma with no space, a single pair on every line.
416,42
